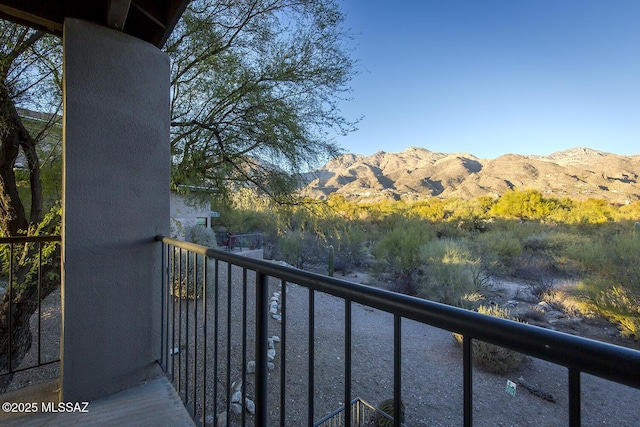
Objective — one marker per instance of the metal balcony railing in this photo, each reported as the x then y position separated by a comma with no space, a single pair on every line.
239,241
15,291
219,319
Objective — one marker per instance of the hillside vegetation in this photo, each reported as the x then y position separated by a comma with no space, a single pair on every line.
446,249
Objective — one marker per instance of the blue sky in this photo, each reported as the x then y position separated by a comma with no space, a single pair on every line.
490,77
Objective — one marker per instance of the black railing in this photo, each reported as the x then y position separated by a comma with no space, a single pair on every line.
14,310
208,337
239,241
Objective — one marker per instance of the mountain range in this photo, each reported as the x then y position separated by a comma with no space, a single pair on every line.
417,173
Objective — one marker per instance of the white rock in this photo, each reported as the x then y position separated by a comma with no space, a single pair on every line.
271,366
273,307
236,408
271,354
544,305
251,367
275,338
251,407
236,385
271,343
277,317
236,397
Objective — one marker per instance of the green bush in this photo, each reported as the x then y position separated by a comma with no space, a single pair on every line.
349,248
203,236
301,249
612,285
498,360
448,273
498,251
397,253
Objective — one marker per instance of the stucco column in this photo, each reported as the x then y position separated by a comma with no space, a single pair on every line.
115,200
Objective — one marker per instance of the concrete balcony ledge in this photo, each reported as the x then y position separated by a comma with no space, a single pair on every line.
154,403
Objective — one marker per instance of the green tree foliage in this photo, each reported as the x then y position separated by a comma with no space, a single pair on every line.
591,211
256,87
525,205
449,273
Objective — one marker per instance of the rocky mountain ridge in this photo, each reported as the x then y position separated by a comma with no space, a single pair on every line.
417,173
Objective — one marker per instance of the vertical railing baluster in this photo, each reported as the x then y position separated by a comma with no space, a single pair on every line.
172,284
10,328
467,378
283,352
39,303
216,296
244,342
229,339
169,304
163,278
347,362
204,340
310,410
180,323
574,398
186,329
262,330
397,369
195,333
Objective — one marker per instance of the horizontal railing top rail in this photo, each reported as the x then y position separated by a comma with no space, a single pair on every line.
615,363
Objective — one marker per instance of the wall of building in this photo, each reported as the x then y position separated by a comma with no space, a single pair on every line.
116,161
185,211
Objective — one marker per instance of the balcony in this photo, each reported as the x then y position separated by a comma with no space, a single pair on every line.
253,342
297,345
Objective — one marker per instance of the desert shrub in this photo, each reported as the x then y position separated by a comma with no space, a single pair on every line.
449,273
532,315
498,252
349,246
537,271
187,271
568,299
301,249
612,278
203,236
539,242
621,306
397,253
493,358
618,304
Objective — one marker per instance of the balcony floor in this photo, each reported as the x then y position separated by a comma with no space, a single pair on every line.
152,404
